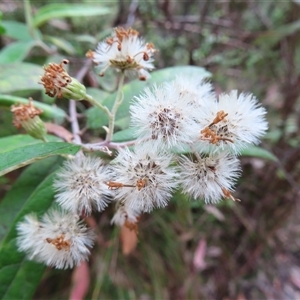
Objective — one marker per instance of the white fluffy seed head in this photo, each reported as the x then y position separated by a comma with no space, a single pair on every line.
194,90
243,123
61,241
80,185
149,178
205,177
125,213
125,51
162,117
28,234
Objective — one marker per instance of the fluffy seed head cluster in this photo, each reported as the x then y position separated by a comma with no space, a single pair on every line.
146,177
27,116
186,114
60,239
125,51
180,116
80,185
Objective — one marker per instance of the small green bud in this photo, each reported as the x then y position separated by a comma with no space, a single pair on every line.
27,116
74,90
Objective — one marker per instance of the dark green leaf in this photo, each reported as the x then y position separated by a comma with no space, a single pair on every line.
19,77
16,51
97,118
26,155
9,143
61,10
49,112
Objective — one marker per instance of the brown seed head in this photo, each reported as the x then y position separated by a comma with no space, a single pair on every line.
60,243
55,78
24,112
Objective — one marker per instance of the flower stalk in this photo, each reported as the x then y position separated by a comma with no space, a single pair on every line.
118,102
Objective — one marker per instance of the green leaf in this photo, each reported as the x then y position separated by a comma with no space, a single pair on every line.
97,118
49,112
26,155
19,77
259,152
22,189
61,44
271,37
9,143
16,51
123,135
16,30
31,192
60,10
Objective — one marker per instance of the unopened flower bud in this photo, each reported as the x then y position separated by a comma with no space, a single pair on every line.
27,116
58,83
75,90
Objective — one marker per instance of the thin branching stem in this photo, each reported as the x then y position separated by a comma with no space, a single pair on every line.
74,122
99,105
102,146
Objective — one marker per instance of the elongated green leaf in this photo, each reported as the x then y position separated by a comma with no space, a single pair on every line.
271,37
26,155
16,30
60,10
16,51
19,77
96,117
49,112
61,44
259,152
11,142
18,276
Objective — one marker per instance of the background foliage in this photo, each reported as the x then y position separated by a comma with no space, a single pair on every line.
189,250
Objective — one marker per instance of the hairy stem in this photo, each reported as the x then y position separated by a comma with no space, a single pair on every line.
118,102
74,122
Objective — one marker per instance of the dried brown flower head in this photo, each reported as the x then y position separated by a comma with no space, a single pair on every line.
24,112
27,116
55,79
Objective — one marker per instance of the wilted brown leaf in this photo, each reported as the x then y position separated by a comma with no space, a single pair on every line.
59,131
128,240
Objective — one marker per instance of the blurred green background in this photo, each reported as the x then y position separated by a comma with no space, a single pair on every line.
247,250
